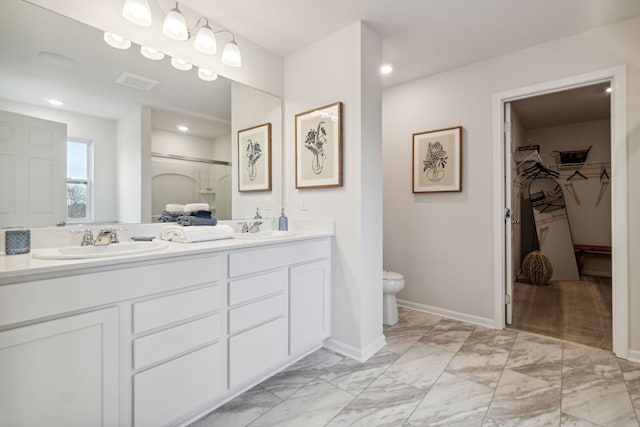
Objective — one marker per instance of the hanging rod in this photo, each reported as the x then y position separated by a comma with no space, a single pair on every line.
189,159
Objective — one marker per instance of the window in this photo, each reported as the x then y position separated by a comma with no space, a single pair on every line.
79,194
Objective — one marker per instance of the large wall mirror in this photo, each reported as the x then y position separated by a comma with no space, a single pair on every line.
122,117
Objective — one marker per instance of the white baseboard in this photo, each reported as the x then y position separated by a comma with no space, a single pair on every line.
361,355
463,317
634,356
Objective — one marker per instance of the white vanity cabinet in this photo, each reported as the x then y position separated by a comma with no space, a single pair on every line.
309,305
61,372
158,342
279,306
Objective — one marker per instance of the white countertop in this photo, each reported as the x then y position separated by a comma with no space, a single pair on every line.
20,268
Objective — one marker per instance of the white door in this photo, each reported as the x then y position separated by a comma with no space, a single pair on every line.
509,212
33,167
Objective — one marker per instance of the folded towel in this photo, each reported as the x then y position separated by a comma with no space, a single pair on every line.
169,216
199,214
178,233
174,207
194,220
192,207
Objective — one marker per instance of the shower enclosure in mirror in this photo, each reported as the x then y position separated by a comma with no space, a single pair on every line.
185,180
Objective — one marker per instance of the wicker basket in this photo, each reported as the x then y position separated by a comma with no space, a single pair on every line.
537,268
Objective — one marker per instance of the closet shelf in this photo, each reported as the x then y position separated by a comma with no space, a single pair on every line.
582,165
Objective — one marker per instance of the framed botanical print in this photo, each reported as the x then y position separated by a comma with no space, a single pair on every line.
319,147
437,161
254,158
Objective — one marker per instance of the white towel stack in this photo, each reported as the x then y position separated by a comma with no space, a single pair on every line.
204,233
193,207
174,208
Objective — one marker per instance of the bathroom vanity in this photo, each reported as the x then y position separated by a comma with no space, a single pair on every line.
159,338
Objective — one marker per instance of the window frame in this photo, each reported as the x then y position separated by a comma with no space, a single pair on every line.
89,181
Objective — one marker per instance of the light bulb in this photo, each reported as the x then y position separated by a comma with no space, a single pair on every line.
231,55
205,41
174,26
151,53
137,12
207,75
117,41
181,64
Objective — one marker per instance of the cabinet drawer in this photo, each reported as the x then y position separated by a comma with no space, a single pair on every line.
253,261
255,313
257,287
253,352
173,308
161,345
177,389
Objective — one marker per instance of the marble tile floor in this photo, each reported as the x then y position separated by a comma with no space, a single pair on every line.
440,372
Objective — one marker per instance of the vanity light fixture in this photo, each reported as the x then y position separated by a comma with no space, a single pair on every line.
117,41
181,64
174,26
137,12
207,75
151,53
231,54
205,41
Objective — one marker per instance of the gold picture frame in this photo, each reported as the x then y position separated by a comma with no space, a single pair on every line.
254,158
437,161
319,147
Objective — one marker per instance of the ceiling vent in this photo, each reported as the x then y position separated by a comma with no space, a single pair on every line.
136,82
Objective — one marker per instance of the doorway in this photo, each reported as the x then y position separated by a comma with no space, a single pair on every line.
560,145
505,272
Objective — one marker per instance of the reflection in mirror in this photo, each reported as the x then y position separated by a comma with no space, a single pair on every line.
552,227
125,106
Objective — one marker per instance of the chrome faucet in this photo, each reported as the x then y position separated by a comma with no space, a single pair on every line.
107,236
87,237
252,227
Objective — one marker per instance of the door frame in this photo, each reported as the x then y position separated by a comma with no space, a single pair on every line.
619,223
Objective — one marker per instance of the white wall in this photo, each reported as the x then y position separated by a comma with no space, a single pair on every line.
103,134
167,142
249,108
344,67
221,148
443,243
134,166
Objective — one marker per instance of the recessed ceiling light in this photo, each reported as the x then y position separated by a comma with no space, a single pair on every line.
55,102
386,69
183,128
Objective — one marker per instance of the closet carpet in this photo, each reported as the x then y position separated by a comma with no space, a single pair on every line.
578,311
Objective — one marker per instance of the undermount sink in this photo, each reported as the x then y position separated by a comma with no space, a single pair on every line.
114,249
272,234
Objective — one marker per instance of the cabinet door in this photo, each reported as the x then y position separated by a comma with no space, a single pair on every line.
179,388
62,372
309,306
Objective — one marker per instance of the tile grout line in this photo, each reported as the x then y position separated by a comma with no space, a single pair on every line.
626,385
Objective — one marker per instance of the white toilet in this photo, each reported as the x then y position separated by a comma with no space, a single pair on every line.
392,283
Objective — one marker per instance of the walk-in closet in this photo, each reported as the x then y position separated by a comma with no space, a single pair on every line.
561,201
